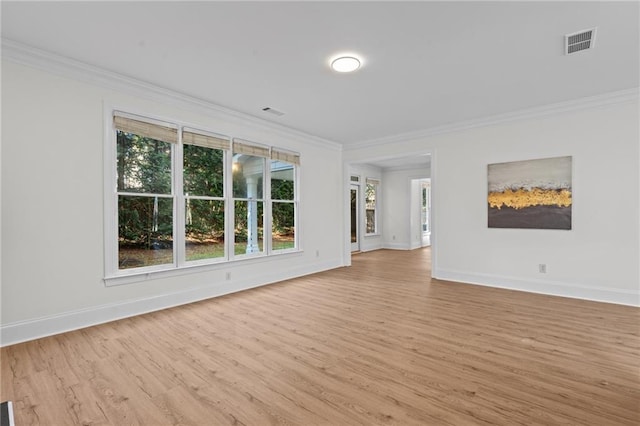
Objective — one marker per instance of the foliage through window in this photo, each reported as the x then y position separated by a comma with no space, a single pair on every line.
203,186
145,200
184,196
426,204
371,206
283,205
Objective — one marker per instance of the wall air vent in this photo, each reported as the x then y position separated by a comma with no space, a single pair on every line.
273,111
582,40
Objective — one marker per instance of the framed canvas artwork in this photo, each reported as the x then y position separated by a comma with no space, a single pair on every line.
530,194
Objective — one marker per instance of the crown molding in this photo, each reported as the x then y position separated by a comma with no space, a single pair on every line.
70,68
622,96
66,67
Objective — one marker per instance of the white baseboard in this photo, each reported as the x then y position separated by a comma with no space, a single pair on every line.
68,321
597,294
372,247
395,246
402,246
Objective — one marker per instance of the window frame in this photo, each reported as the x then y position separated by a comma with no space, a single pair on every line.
296,208
376,183
113,275
181,218
263,152
425,206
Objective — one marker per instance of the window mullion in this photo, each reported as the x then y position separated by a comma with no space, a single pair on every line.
267,209
179,203
229,239
296,204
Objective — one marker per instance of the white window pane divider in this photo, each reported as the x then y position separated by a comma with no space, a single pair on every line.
179,221
144,194
203,197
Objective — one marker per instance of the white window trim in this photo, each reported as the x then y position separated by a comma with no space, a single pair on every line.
296,207
376,182
114,276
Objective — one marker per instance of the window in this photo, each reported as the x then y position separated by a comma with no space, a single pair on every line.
186,197
371,206
284,201
203,187
426,204
144,193
248,197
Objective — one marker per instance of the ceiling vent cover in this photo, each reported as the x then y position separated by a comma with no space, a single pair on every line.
581,40
273,111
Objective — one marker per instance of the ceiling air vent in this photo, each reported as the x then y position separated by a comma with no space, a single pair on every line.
581,40
273,111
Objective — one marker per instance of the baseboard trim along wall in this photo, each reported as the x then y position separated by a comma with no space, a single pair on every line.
396,246
23,331
403,246
596,294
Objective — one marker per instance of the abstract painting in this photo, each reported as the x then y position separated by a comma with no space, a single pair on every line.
530,194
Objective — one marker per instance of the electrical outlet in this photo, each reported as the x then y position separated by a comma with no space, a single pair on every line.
317,253
228,276
542,268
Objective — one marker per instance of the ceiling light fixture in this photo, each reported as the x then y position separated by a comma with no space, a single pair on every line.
345,64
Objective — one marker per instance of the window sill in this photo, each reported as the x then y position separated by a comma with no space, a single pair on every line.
141,276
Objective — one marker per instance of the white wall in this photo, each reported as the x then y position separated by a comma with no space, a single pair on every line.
401,209
598,259
52,206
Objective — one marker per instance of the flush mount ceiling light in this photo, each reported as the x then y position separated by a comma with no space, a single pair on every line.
346,63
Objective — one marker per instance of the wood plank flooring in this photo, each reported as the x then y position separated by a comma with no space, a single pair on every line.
378,343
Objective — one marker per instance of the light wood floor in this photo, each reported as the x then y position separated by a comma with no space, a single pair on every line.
374,344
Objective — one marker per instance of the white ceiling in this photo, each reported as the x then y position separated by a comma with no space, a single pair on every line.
427,64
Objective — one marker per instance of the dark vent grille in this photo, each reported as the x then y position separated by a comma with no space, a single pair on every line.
579,38
572,48
579,41
273,111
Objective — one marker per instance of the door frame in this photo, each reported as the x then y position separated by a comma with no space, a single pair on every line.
355,246
355,159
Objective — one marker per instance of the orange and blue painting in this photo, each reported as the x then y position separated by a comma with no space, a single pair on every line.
530,194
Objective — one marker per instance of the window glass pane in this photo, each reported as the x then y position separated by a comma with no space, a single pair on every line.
145,231
370,207
203,171
354,215
204,232
248,176
371,221
282,186
248,227
144,164
283,226
426,195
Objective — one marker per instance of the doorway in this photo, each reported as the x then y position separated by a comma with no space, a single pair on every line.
425,210
355,217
